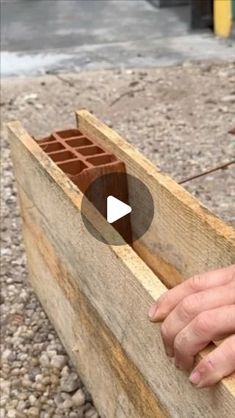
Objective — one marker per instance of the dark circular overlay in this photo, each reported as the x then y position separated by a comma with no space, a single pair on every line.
129,190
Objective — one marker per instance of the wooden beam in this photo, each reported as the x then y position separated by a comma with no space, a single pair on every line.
97,296
185,238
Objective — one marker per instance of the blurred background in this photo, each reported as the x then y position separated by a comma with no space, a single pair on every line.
42,35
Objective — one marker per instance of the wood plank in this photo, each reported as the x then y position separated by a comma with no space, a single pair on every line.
117,283
184,238
87,339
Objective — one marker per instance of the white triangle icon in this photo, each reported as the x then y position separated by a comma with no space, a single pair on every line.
116,209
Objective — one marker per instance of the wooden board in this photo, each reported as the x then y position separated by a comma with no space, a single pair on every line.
97,296
185,238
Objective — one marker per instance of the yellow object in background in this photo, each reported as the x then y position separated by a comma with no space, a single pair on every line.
222,17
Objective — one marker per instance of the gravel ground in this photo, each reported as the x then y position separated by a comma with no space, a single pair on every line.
179,117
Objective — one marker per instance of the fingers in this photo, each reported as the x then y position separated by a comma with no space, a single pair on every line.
216,365
203,329
190,307
168,301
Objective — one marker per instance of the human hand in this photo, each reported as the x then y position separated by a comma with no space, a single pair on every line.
196,312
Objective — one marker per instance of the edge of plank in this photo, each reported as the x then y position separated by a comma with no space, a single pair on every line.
84,118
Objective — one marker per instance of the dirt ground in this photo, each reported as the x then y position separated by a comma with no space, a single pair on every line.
179,117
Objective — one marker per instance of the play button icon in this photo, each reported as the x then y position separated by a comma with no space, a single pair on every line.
116,209
125,203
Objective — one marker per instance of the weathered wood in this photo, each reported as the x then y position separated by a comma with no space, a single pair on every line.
184,237
98,296
92,347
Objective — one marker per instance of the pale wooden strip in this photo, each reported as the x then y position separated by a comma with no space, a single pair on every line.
183,234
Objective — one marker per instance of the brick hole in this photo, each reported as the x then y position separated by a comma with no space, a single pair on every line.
54,146
90,150
72,167
102,159
62,155
69,133
78,142
49,138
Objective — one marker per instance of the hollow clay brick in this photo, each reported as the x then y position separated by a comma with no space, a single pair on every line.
84,161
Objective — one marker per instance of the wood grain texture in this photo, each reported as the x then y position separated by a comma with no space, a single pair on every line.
118,388
111,286
184,238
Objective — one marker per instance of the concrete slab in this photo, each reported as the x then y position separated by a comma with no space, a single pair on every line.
43,25
46,36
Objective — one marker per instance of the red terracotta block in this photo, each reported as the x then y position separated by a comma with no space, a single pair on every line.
84,161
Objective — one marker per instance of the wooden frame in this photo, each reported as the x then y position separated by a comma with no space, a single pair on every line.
97,296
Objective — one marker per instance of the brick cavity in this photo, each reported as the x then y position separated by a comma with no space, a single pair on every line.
83,161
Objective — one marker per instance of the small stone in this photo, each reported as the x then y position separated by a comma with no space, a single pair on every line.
26,383
12,357
77,413
38,106
5,386
38,378
65,371
54,380
70,383
3,401
2,413
11,413
46,380
35,361
34,373
91,413
32,400
29,97
58,361
45,415
39,387
58,399
21,406
23,396
229,99
33,412
20,414
6,354
79,398
67,404
44,360
51,353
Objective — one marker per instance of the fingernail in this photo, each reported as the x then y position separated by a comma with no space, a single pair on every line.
195,377
152,312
